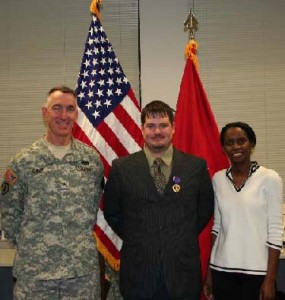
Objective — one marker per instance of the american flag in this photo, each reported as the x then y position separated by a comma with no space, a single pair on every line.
108,120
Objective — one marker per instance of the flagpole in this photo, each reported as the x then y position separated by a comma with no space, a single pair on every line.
196,131
95,8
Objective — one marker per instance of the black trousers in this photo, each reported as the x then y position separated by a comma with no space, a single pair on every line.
162,293
236,286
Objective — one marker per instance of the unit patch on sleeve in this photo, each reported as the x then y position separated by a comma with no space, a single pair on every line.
10,177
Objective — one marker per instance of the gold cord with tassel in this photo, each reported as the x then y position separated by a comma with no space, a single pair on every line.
191,52
95,8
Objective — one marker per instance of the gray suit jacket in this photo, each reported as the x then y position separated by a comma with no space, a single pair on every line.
159,233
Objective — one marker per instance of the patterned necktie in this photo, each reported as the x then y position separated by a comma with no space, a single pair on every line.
158,176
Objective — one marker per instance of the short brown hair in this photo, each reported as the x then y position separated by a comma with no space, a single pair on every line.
157,108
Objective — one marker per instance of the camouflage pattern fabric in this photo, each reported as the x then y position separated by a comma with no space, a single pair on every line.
49,207
79,288
114,290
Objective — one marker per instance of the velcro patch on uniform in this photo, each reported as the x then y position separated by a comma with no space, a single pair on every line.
4,188
10,177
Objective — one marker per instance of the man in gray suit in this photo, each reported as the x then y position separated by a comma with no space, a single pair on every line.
158,200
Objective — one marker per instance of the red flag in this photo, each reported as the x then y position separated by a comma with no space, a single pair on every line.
196,132
108,120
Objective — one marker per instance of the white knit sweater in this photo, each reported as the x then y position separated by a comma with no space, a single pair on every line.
247,222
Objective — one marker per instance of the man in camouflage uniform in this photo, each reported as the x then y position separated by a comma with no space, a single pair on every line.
49,202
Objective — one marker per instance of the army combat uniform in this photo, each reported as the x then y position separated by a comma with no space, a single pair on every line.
49,207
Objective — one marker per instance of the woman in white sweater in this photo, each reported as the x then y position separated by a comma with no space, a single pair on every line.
248,229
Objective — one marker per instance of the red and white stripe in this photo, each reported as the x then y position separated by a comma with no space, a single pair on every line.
119,134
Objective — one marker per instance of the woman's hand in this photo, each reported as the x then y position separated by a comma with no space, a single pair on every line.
267,289
207,288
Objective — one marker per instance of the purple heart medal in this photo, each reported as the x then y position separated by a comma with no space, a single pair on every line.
176,187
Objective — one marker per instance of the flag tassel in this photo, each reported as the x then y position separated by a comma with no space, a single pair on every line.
191,52
112,261
95,8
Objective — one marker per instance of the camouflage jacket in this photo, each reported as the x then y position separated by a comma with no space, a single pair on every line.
49,207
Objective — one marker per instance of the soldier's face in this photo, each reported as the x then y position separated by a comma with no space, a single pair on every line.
60,114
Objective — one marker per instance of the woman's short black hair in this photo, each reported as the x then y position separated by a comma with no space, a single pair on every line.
244,126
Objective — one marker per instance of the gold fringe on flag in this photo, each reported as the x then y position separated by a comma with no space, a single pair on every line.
95,8
112,261
191,52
